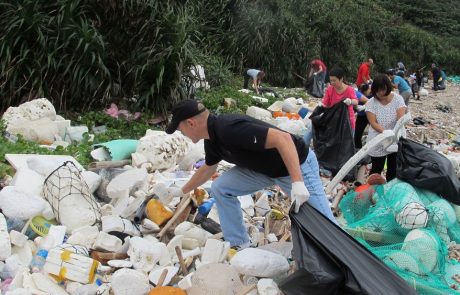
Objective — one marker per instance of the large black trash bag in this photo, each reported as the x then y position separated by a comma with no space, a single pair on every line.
427,169
315,86
332,136
330,261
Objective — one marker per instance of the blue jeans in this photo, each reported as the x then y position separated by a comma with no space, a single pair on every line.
241,181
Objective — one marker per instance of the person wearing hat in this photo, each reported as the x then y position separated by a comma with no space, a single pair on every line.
263,156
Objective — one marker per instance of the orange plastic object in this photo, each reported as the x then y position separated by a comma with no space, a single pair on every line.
277,114
157,212
293,116
167,290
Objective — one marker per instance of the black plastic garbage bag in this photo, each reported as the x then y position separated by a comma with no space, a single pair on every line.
330,261
315,86
427,169
332,136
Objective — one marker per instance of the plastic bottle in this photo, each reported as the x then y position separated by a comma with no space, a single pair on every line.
204,208
39,259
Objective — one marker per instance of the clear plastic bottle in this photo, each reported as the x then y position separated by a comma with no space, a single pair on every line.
39,259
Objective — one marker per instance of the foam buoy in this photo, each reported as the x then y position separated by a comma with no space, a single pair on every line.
413,215
404,261
424,246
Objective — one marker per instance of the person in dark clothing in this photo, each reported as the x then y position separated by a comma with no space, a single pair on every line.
361,118
436,76
263,156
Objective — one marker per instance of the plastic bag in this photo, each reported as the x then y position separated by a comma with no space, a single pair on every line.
332,136
427,169
316,86
329,261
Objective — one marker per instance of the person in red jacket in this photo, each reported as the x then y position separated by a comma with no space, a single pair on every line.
364,72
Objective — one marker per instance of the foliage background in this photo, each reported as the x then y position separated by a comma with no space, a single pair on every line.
83,54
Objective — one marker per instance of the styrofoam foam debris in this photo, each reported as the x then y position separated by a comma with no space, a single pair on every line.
28,180
118,224
296,127
214,251
12,200
262,205
143,254
193,155
164,151
58,234
31,110
23,254
258,113
93,180
85,236
126,183
259,263
191,231
186,282
106,242
72,287
5,242
149,226
267,287
129,282
120,263
17,239
133,206
45,284
154,275
247,204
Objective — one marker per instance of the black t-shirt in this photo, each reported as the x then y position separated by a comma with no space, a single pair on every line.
240,140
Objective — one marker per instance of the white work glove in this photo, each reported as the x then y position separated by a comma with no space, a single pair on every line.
347,101
360,108
388,132
299,194
175,192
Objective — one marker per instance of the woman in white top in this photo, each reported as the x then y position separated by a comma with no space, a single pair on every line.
383,111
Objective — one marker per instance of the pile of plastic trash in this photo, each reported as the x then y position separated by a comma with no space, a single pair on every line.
120,230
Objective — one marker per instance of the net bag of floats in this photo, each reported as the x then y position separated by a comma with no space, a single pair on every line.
70,198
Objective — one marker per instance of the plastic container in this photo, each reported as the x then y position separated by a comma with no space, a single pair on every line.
204,208
39,259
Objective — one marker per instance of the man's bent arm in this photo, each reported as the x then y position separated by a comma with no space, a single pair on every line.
202,175
283,142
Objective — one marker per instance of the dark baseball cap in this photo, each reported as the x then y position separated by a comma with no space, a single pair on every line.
184,110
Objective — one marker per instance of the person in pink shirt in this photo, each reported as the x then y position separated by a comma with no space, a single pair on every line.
338,92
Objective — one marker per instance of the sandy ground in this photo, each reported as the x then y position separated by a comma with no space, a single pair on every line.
442,127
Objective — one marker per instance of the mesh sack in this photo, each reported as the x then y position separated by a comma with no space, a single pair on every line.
70,198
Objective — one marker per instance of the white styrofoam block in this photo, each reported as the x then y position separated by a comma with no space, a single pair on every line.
58,234
129,282
191,231
85,236
214,251
24,254
31,110
45,284
175,241
154,275
93,180
259,263
142,254
5,242
120,263
128,181
262,205
163,150
29,180
186,282
149,226
12,200
118,224
133,206
107,242
267,287
189,243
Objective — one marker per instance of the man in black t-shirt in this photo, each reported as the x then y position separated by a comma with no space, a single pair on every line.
264,156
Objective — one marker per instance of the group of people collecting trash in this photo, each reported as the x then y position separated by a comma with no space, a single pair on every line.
264,155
